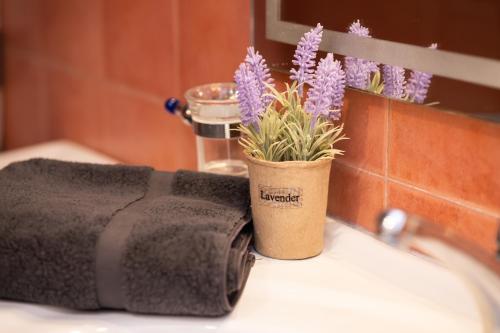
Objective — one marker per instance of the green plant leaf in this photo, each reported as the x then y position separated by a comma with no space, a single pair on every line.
287,134
375,85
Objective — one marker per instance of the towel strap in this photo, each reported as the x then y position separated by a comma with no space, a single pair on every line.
112,242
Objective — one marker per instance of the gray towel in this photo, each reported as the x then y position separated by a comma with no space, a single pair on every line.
92,236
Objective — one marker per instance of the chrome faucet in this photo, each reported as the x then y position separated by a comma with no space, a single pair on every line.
479,270
398,228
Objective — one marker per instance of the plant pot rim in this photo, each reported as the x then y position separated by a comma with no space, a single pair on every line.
290,164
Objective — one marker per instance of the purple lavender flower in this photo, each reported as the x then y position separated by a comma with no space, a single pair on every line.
327,90
357,29
338,78
394,81
257,65
249,96
358,70
305,56
418,84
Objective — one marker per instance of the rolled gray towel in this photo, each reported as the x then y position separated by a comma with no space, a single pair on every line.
93,236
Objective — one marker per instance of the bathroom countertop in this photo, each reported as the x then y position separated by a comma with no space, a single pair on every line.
357,284
61,149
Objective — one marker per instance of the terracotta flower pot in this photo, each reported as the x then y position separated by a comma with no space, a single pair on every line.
289,206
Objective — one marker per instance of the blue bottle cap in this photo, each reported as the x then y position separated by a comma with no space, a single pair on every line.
171,104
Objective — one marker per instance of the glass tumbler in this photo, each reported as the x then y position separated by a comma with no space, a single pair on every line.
215,118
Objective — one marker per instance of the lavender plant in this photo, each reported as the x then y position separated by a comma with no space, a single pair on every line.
308,138
326,96
278,126
287,133
358,71
418,84
258,66
394,81
376,86
305,56
249,95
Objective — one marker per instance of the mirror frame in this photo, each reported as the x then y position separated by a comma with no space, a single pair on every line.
473,69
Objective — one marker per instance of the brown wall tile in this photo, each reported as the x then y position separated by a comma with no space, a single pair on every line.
74,106
474,226
135,131
72,34
355,196
140,44
213,41
23,24
25,98
454,155
103,69
365,123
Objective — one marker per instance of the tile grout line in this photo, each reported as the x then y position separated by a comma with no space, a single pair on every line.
368,172
387,151
459,203
42,61
176,36
455,202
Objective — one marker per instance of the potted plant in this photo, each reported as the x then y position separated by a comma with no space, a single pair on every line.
289,142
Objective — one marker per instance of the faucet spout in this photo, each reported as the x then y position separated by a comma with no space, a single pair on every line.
478,269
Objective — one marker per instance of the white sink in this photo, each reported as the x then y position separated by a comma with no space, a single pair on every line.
62,150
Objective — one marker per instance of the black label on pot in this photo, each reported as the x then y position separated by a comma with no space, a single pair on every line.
281,197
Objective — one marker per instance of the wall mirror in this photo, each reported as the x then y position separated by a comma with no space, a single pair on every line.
465,67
